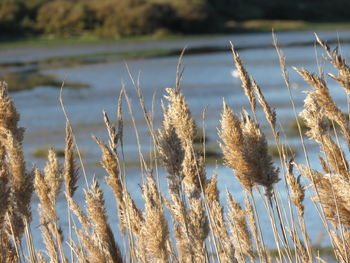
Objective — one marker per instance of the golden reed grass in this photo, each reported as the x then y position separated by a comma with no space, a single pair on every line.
190,223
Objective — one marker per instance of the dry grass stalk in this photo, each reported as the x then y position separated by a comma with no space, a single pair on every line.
4,203
102,234
178,211
192,223
245,151
171,152
96,237
314,119
112,132
83,219
321,95
226,251
192,197
233,147
16,197
47,186
298,196
239,229
302,253
198,228
193,171
339,63
179,116
244,76
70,172
155,227
70,175
270,113
342,245
9,117
170,148
120,118
298,191
110,163
190,226
253,225
332,194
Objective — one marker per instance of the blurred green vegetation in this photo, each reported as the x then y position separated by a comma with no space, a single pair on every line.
122,18
27,80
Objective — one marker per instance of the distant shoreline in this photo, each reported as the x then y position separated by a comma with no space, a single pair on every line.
53,53
232,28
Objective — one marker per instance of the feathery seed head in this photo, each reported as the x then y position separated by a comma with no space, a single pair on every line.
70,171
179,116
245,151
244,76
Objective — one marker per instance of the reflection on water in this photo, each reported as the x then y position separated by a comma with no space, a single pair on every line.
207,80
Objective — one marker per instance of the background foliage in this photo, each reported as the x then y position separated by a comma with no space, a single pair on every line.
113,18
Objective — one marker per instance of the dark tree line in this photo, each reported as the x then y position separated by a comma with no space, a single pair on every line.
140,17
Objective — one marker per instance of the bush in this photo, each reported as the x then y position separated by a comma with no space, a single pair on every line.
196,17
11,13
133,17
63,17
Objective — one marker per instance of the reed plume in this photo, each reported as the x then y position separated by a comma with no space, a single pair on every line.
179,116
339,62
331,194
110,163
315,119
244,76
192,223
245,151
47,186
155,228
270,113
321,95
103,237
17,183
70,171
171,151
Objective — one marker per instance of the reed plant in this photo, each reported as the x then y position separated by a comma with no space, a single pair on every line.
189,223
